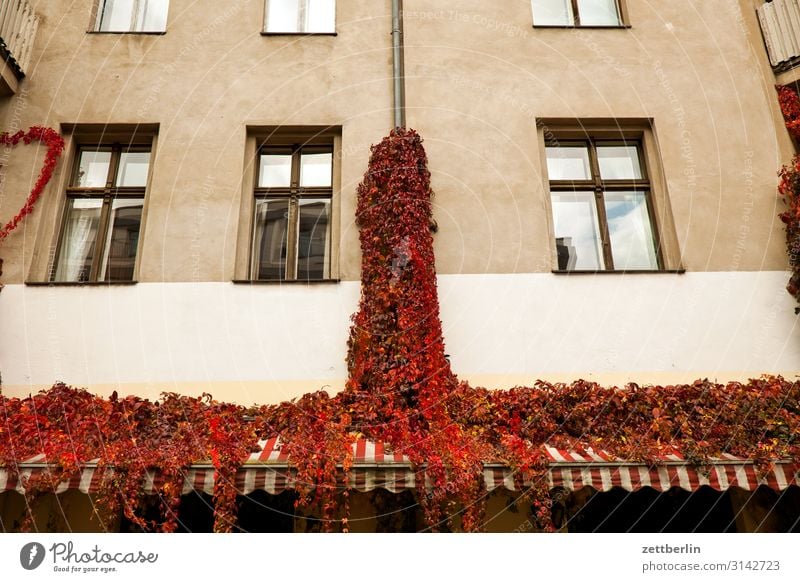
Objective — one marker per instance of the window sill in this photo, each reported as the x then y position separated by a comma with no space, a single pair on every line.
581,27
285,281
263,33
623,272
136,32
79,283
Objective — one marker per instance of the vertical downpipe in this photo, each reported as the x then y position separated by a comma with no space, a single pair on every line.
398,65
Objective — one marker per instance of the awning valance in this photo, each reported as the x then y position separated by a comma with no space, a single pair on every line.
374,466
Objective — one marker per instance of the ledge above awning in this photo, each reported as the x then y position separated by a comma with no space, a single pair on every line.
375,467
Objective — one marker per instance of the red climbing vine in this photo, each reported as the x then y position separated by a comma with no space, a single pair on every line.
758,420
400,391
789,189
399,376
55,146
790,107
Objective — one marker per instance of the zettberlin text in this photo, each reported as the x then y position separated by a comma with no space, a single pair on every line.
665,549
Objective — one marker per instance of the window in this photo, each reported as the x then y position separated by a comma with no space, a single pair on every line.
577,13
293,212
300,16
603,212
102,219
132,16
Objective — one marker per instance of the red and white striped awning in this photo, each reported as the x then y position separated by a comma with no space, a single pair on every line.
374,467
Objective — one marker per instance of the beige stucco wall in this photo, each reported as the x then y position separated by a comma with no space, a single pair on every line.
478,76
211,75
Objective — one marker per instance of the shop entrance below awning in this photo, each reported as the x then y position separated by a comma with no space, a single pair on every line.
589,489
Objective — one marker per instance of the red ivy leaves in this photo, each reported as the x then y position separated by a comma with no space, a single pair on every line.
315,434
789,189
55,146
396,352
399,377
230,441
790,107
759,421
131,436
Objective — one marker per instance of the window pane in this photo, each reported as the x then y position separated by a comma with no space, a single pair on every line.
598,12
275,171
122,240
271,238
282,15
631,234
619,162
301,16
315,170
321,16
552,12
577,231
313,250
93,169
133,168
568,163
116,16
133,15
78,240
153,16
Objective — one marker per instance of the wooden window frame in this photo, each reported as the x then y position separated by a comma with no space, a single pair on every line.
643,132
107,194
293,194
601,186
256,136
622,13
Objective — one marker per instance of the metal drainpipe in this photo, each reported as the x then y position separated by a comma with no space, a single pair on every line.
398,65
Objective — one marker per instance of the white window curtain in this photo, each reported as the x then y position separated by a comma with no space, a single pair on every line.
271,232
77,247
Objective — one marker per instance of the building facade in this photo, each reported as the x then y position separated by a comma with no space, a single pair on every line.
604,176
206,104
